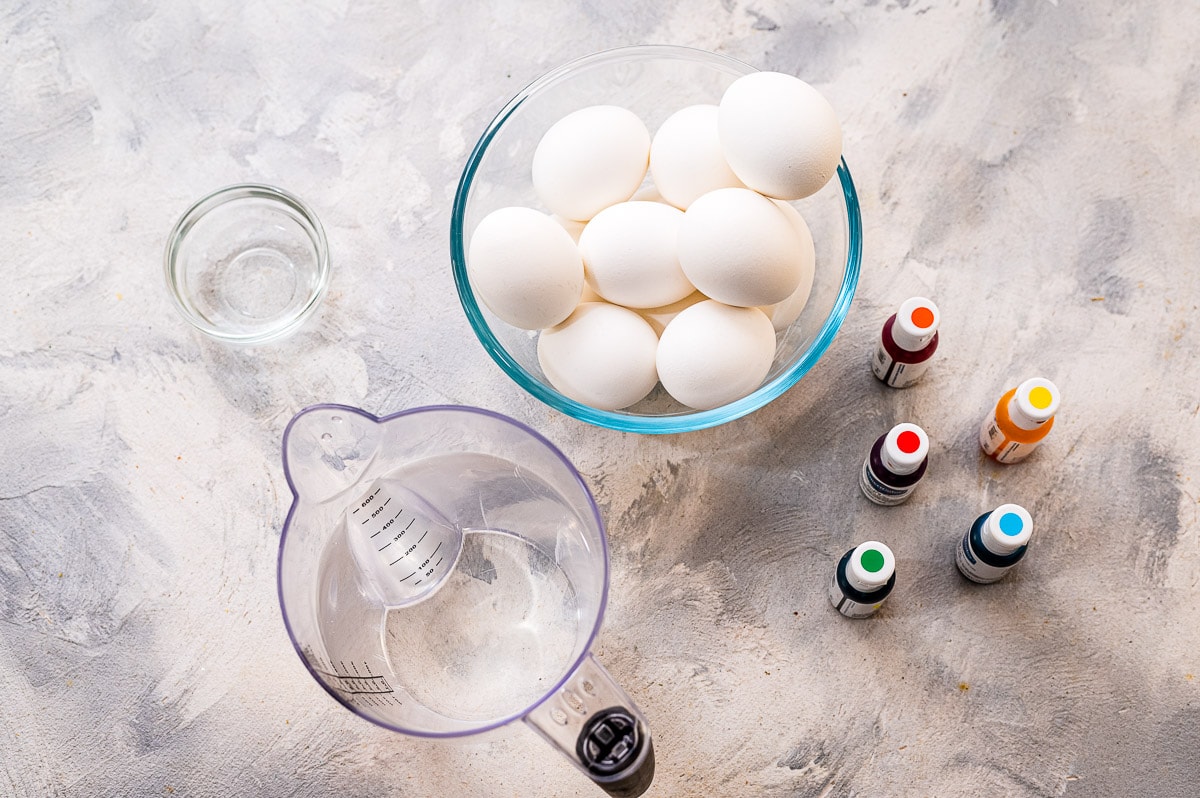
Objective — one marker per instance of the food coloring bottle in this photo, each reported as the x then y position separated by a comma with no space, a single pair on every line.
1020,420
895,465
995,543
863,579
907,343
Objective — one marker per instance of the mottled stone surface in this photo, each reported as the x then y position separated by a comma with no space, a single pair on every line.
1033,165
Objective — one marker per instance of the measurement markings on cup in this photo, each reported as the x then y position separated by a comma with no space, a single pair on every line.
402,547
365,690
425,563
400,534
421,562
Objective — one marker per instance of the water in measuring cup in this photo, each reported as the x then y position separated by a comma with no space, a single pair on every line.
501,627
514,635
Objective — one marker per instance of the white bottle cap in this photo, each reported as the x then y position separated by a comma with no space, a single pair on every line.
916,324
904,448
1007,529
1034,403
871,566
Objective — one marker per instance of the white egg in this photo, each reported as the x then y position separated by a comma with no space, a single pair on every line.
630,254
525,268
711,354
686,158
779,135
660,317
590,159
738,247
784,313
601,356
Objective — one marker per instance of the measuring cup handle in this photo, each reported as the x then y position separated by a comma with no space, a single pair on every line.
593,723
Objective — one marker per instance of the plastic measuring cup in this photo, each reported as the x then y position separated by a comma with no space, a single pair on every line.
443,572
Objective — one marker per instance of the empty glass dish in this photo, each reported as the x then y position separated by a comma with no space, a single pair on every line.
247,263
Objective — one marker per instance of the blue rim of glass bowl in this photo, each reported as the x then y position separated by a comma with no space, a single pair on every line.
625,422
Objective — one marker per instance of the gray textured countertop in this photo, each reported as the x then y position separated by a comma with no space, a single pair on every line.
1033,165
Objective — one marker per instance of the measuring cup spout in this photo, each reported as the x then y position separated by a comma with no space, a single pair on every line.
596,725
327,448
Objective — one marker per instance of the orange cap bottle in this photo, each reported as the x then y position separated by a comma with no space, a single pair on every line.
1020,420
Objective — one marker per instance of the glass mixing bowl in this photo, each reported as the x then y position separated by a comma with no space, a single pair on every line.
653,81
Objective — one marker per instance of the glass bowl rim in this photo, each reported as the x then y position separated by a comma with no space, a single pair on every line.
283,324
617,420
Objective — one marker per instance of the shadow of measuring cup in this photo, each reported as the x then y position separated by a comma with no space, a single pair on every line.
443,572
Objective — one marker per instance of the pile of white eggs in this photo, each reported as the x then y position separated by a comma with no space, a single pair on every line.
683,281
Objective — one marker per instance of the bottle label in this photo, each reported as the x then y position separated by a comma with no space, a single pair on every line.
975,569
846,605
894,373
1000,448
877,491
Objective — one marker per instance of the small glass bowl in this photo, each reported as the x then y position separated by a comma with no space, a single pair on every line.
247,264
653,81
